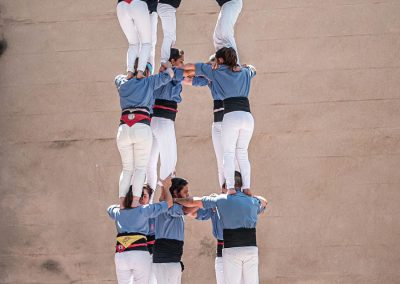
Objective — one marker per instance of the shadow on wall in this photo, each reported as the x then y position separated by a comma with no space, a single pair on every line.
3,46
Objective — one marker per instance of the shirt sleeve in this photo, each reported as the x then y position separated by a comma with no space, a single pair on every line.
260,208
178,74
252,70
159,80
209,202
119,80
200,81
112,211
203,214
175,211
153,210
203,69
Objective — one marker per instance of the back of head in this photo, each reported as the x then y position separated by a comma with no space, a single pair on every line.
228,55
177,185
238,180
175,54
128,198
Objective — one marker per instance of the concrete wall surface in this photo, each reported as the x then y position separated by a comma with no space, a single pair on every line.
325,152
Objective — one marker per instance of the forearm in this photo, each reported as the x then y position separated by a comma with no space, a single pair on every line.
190,202
168,197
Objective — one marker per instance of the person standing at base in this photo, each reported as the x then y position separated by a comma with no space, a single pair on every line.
168,247
238,214
224,32
132,258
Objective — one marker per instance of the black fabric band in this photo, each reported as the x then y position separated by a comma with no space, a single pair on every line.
218,115
222,2
144,121
140,242
150,247
165,113
152,5
220,246
242,237
167,250
173,3
236,104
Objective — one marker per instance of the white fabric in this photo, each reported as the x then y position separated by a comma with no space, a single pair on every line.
168,273
134,20
219,270
224,33
164,145
167,15
154,23
153,279
133,267
237,130
134,145
240,265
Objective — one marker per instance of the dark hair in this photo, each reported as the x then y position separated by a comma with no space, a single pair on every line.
175,54
238,180
228,54
128,198
177,185
148,69
149,190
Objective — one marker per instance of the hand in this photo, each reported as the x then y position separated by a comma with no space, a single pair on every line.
129,75
237,68
167,182
247,191
215,65
140,75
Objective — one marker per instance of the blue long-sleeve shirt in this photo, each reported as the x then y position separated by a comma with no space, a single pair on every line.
170,225
217,228
236,210
173,89
215,88
135,220
139,92
231,83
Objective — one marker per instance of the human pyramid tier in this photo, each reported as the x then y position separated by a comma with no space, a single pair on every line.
150,235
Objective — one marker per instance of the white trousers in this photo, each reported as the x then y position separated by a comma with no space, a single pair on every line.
154,23
240,265
168,273
164,146
134,20
167,15
134,145
237,130
219,270
133,267
224,33
153,279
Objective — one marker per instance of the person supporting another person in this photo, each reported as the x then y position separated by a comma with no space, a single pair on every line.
168,247
134,138
132,259
239,214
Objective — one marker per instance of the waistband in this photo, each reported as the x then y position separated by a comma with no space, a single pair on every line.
220,246
242,237
167,250
150,242
218,110
135,115
222,2
236,104
130,241
173,3
165,109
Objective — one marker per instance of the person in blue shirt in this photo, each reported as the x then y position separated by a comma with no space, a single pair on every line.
240,253
238,123
132,258
167,98
134,137
168,247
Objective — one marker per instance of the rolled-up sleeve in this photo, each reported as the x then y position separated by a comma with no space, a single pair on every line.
209,202
178,74
112,211
203,69
175,211
119,80
199,81
203,214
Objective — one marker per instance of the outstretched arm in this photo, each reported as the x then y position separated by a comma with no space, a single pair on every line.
190,201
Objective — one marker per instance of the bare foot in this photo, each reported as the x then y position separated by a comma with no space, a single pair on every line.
231,191
140,75
247,191
129,75
162,68
121,203
135,202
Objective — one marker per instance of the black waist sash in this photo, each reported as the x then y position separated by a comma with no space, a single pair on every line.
220,246
138,116
123,243
167,250
222,2
150,242
241,237
218,110
165,109
236,104
173,3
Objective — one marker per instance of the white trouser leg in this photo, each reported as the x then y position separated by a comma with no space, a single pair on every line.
219,152
168,273
128,27
237,129
133,267
250,265
164,133
153,279
224,33
154,23
219,270
134,145
167,15
232,265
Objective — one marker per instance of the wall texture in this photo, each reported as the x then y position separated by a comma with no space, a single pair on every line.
326,148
